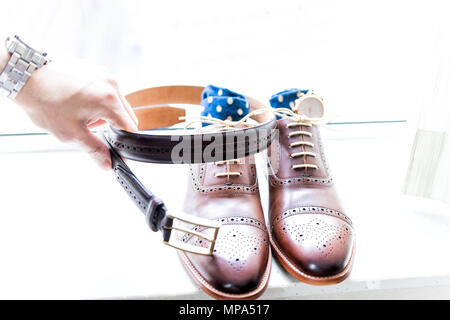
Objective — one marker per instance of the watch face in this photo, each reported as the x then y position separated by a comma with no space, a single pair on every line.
311,106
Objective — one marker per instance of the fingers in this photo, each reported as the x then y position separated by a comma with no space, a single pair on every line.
116,114
96,124
128,108
116,111
124,102
95,147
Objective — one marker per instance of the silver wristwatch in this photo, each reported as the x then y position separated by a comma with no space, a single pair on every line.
23,62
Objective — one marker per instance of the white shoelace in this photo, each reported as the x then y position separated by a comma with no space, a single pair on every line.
217,125
299,120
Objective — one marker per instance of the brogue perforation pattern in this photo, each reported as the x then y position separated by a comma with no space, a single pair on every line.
137,148
129,190
233,245
275,181
229,221
260,141
325,237
309,210
220,188
243,220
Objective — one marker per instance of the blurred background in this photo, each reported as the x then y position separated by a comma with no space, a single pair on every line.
369,60
383,62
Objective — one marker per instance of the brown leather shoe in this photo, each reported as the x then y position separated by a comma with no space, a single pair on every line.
240,265
309,231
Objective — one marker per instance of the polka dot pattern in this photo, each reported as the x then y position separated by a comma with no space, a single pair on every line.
224,104
286,99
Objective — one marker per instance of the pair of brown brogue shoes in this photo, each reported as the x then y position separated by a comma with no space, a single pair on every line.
307,230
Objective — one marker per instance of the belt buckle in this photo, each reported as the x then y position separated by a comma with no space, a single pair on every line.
194,221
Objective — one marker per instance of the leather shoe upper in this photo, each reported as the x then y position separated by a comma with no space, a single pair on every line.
308,223
241,253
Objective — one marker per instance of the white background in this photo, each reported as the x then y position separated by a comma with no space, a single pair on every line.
370,60
67,230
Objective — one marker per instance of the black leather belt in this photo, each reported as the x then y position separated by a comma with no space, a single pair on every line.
152,107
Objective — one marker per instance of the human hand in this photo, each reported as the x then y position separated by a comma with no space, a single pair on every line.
68,99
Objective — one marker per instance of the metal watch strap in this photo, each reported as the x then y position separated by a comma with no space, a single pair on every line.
23,62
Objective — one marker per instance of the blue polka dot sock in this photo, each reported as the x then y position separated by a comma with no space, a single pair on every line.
286,98
223,104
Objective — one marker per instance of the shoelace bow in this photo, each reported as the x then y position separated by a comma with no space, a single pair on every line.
300,120
218,125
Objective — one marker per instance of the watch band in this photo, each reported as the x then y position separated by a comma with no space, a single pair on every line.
23,62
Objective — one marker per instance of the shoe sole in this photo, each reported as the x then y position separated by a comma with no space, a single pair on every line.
303,277
220,295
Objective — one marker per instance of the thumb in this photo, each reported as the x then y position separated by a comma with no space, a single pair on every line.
95,147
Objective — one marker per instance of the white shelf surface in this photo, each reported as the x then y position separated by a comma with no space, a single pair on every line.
68,231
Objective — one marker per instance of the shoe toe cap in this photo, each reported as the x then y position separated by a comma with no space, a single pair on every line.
239,261
319,245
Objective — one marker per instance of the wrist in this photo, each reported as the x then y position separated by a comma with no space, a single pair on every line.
32,90
23,62
4,56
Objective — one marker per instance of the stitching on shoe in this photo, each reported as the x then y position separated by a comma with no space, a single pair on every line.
229,221
276,182
220,188
311,210
199,277
294,267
